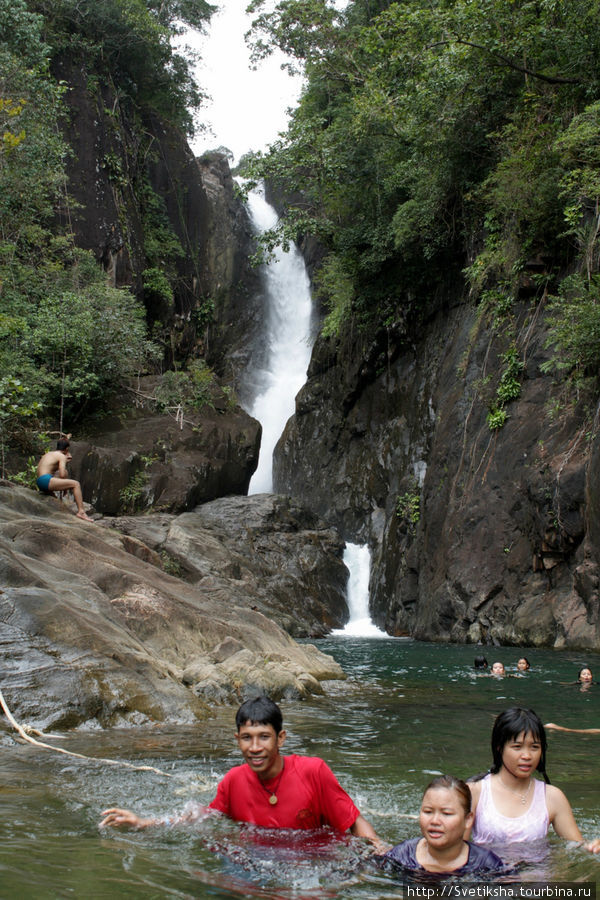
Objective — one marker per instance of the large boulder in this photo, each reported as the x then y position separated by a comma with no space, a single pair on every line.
93,628
140,458
263,552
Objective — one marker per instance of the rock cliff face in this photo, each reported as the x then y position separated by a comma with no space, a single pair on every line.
135,185
477,534
157,616
113,160
95,628
268,553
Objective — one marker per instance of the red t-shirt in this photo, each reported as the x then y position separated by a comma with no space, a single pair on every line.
308,796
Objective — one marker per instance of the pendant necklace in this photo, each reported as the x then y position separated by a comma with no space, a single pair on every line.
522,797
272,794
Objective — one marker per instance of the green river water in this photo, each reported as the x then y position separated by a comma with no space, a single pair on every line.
407,710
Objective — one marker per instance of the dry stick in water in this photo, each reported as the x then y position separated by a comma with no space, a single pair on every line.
110,762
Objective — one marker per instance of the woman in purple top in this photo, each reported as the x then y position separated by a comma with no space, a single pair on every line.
444,817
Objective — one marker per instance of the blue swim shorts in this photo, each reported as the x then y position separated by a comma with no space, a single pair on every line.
43,483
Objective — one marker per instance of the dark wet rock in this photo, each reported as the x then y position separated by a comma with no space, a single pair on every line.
236,335
115,158
90,630
477,534
144,460
262,552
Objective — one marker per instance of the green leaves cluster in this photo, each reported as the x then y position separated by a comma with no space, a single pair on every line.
509,388
17,404
132,494
574,327
435,137
130,43
31,149
75,339
191,389
408,509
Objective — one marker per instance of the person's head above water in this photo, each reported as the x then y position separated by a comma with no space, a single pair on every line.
498,669
585,674
454,786
516,725
480,662
260,736
444,818
259,711
523,664
445,813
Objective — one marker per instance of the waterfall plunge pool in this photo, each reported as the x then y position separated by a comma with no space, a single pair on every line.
357,559
408,710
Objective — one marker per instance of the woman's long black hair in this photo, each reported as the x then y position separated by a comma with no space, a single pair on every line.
510,724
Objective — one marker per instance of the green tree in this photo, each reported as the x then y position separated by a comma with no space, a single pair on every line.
429,136
87,341
130,43
31,149
62,340
16,405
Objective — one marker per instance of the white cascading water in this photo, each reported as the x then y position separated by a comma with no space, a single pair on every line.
357,558
289,347
289,343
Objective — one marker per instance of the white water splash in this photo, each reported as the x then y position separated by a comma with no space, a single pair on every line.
288,339
357,559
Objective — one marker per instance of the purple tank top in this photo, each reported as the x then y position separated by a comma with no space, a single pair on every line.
492,827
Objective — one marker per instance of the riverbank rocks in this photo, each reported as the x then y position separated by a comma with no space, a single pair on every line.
93,629
263,552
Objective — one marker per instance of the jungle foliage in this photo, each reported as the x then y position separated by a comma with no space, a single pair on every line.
435,138
67,339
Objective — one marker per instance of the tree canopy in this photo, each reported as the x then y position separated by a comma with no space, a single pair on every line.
439,138
67,339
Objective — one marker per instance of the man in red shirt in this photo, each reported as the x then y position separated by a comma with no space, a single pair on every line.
269,789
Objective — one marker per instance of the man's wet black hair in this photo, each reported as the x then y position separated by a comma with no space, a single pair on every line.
63,444
259,711
510,724
480,662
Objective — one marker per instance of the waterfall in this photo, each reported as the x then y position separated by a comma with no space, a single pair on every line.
357,559
288,333
288,341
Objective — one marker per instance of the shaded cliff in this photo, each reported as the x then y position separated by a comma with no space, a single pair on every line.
478,534
162,222
141,457
171,228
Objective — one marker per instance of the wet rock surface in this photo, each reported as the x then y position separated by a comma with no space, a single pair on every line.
92,627
141,459
264,552
478,534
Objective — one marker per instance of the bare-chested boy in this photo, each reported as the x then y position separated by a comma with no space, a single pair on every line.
52,476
